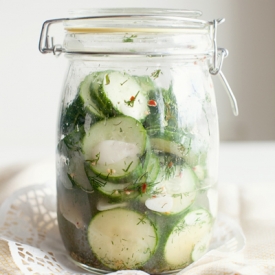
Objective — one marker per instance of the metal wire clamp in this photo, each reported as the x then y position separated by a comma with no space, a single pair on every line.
218,57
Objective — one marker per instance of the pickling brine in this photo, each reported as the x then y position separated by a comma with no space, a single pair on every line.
137,154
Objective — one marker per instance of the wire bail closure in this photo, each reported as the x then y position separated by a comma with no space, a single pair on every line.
218,57
46,45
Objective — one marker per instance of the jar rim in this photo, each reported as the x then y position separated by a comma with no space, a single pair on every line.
135,11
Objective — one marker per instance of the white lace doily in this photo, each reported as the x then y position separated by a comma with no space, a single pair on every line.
28,222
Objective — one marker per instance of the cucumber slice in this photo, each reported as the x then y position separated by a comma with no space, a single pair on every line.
117,192
156,117
152,168
75,113
69,149
85,94
98,96
179,145
122,94
104,204
175,194
185,235
164,113
167,141
122,239
77,174
114,147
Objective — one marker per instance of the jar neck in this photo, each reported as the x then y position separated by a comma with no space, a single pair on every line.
188,43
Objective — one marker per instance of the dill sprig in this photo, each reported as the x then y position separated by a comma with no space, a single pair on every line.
128,167
128,39
155,74
132,100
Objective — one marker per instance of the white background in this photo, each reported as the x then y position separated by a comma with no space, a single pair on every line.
31,83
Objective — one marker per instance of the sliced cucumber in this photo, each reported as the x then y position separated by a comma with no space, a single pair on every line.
75,113
77,174
73,161
117,192
164,113
114,147
104,204
122,94
98,96
175,193
186,234
156,116
175,143
160,204
152,168
85,94
122,239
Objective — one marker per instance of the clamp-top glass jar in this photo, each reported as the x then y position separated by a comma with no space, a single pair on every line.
138,138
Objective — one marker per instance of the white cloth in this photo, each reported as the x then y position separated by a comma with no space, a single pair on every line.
252,206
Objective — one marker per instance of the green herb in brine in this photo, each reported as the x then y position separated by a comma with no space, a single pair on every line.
107,79
142,220
156,74
94,161
126,170
128,39
132,100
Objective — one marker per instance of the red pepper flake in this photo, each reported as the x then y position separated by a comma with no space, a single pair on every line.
152,103
143,187
132,100
170,164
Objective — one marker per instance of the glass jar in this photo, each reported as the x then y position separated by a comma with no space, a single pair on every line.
138,139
